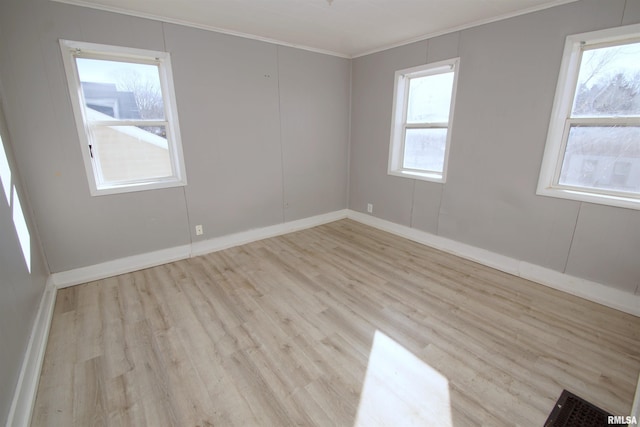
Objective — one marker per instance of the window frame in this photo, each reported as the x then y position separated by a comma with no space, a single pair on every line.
561,120
97,186
399,123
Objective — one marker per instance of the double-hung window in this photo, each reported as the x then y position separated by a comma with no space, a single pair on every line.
423,106
593,145
124,105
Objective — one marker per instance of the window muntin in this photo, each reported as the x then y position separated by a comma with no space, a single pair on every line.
422,113
126,117
593,145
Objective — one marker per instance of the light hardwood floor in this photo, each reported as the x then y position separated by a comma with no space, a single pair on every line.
279,332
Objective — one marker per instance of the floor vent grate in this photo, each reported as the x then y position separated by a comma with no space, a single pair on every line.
573,411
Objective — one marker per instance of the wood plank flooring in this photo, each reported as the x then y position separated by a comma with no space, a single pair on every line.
279,332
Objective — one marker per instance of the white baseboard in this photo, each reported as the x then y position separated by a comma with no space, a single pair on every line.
151,259
596,292
237,239
25,393
119,266
592,291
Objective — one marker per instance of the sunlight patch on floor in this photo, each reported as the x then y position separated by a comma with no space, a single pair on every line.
400,389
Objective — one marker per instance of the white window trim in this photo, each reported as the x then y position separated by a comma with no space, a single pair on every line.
400,98
560,117
163,59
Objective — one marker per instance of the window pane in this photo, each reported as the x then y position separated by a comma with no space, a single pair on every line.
127,153
430,98
121,90
605,157
609,82
424,149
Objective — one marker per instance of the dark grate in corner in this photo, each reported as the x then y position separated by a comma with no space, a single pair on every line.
573,411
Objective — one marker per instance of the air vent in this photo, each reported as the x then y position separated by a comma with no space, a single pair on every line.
573,411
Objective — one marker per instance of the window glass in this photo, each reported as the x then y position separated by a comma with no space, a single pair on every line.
606,157
424,149
121,90
608,82
430,98
130,153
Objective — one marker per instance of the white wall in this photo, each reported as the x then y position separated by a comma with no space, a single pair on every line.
508,75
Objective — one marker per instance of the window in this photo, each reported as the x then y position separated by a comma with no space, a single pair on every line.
593,144
421,122
123,102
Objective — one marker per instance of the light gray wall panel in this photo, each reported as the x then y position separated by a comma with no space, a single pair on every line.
426,206
372,96
227,93
314,114
229,105
77,229
20,289
508,74
507,83
606,247
20,294
443,47
631,12
116,29
507,79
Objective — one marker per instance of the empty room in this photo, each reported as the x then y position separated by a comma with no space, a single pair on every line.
319,213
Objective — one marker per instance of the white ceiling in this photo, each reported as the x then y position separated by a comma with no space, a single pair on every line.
347,28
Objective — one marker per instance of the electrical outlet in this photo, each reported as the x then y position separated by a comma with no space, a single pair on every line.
370,207
199,230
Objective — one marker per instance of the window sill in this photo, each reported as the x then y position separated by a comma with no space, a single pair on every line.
423,176
129,188
586,196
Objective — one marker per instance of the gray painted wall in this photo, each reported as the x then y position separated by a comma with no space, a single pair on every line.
266,137
265,134
20,290
506,86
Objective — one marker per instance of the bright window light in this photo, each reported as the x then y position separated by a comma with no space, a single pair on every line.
5,172
401,389
22,229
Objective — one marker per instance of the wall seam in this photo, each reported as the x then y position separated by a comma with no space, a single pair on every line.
184,188
284,201
413,203
573,234
444,184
